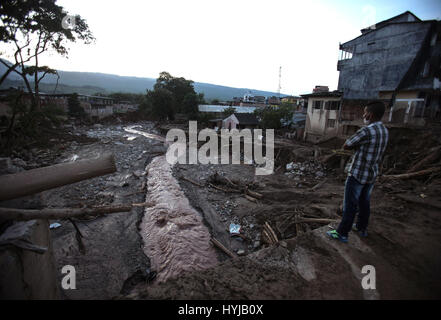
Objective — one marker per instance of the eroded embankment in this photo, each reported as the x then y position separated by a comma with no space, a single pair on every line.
175,238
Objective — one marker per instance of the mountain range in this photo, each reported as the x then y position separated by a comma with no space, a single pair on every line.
91,83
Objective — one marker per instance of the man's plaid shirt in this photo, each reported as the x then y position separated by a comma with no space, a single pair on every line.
370,143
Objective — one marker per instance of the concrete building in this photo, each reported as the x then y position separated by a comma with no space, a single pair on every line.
322,117
396,61
95,106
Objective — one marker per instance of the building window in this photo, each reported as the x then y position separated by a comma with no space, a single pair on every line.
317,104
332,105
419,109
330,123
426,70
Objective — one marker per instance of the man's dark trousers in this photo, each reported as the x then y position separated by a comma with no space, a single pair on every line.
356,198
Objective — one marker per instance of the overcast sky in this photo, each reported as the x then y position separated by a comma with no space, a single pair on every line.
237,43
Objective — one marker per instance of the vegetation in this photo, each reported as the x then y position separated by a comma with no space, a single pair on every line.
275,117
32,28
229,111
171,95
75,108
134,98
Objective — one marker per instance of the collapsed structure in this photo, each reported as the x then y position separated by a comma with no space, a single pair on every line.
396,61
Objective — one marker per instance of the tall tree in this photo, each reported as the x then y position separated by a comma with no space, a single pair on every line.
34,27
179,87
162,103
228,111
75,108
190,105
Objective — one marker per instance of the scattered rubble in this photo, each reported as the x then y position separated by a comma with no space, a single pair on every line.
277,249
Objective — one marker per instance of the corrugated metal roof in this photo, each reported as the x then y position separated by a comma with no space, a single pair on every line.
219,108
246,118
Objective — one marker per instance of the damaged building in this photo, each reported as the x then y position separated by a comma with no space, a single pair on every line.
396,61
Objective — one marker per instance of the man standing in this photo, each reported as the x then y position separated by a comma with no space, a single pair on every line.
370,143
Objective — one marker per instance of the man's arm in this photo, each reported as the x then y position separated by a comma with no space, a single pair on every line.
357,139
347,147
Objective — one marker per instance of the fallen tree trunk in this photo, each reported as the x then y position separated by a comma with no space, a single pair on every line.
57,213
36,180
412,174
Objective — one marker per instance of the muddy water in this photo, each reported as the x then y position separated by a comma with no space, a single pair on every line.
174,235
132,129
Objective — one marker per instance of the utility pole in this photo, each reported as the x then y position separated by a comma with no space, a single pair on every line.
280,81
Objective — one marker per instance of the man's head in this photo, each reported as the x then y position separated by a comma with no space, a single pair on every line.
373,112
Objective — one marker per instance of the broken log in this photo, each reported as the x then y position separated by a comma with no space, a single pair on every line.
250,198
191,181
223,248
222,189
36,180
266,237
310,220
318,185
271,232
253,194
433,156
412,174
57,213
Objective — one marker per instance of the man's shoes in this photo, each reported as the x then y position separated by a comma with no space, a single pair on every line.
362,233
335,235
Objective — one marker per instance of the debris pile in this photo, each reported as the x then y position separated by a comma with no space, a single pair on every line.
308,168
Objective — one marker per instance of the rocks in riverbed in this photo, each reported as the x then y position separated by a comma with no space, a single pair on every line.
8,166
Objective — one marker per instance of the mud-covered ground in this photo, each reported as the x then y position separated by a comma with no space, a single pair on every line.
108,259
403,244
111,259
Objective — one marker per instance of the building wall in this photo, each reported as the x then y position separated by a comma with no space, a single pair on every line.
379,59
317,120
230,120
